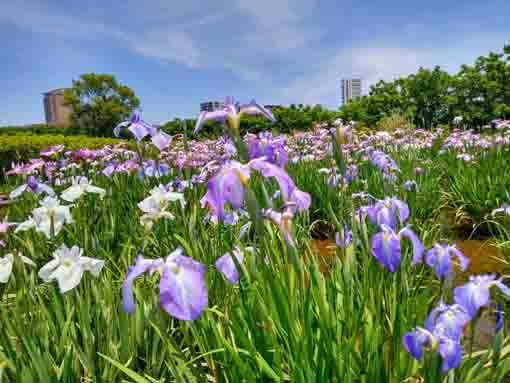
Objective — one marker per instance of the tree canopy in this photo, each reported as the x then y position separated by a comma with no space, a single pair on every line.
431,97
99,103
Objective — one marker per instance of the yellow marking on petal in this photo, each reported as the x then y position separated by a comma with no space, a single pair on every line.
242,176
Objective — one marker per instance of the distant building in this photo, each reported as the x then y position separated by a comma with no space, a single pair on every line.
211,106
351,89
57,114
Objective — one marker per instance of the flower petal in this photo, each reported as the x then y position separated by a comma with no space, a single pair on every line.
6,268
183,292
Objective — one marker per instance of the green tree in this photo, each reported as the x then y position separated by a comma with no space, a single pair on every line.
99,103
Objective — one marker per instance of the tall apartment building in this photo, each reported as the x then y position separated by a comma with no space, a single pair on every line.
56,113
211,106
351,89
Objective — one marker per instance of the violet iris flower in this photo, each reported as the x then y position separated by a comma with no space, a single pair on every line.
153,169
343,241
410,185
179,185
272,149
182,287
290,193
382,161
440,258
504,209
386,246
443,330
229,183
32,186
226,265
226,186
231,114
141,129
384,212
476,293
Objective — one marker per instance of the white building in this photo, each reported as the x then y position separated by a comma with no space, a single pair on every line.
351,89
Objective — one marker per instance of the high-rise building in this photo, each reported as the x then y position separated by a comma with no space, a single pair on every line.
56,112
211,106
351,89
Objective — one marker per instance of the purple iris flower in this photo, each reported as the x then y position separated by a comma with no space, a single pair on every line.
182,287
153,169
384,212
382,161
226,265
351,173
386,246
442,333
32,186
410,185
343,241
290,193
179,185
449,320
140,129
226,186
440,258
231,114
272,149
476,293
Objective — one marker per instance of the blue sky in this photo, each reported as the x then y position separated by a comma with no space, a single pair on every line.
177,53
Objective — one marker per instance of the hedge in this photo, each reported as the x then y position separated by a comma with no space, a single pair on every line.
21,148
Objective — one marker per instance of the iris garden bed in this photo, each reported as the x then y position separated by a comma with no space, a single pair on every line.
218,234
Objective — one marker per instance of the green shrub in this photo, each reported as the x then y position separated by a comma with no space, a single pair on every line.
22,147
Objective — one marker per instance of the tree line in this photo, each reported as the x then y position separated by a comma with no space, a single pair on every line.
473,97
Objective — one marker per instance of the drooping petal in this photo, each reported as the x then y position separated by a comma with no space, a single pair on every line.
139,131
72,193
18,191
217,115
183,292
439,258
268,170
386,249
403,209
94,266
418,248
302,199
161,140
253,108
117,129
471,296
6,268
68,277
47,270
226,265
96,190
24,226
451,353
415,341
141,266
